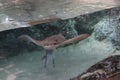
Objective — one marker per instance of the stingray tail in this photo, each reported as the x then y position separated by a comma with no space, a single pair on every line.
48,58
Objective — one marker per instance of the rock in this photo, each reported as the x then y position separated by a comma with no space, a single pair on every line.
107,69
108,29
35,12
114,77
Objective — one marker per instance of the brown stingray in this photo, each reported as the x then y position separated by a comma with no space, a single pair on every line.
48,43
53,42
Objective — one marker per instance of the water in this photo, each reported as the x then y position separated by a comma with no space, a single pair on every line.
70,61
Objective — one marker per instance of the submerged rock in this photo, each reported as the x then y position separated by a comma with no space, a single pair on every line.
108,29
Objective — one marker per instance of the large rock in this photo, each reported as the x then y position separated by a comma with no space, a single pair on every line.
23,13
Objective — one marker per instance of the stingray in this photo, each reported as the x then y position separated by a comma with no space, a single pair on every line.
51,43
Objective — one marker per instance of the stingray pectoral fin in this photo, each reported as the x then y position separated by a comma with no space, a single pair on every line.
30,39
74,40
77,38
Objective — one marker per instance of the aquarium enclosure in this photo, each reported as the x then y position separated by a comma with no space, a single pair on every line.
59,39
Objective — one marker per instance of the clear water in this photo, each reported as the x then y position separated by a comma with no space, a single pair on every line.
70,61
